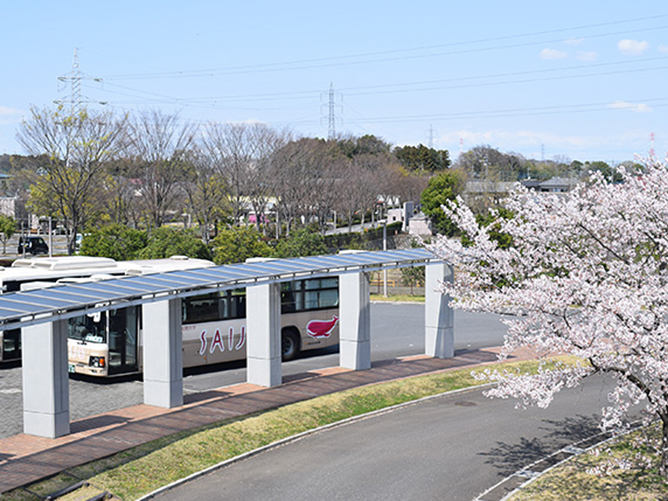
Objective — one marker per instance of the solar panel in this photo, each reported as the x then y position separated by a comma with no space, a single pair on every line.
24,307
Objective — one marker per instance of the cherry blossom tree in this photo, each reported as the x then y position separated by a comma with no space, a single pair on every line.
586,275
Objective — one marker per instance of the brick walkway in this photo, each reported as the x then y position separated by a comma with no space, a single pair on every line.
25,459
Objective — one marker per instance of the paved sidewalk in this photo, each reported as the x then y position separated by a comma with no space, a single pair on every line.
25,459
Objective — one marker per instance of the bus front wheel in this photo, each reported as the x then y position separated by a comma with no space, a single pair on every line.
289,344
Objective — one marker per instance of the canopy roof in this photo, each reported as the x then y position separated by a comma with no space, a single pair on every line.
63,301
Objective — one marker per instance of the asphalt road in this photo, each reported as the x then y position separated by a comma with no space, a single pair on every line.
397,330
452,447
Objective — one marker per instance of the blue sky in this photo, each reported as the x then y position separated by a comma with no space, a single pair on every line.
581,80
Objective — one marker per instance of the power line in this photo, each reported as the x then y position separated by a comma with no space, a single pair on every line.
423,86
506,113
386,56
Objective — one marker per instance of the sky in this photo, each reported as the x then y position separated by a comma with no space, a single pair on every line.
567,80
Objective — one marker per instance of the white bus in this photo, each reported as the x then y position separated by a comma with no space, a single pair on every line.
30,273
110,343
40,272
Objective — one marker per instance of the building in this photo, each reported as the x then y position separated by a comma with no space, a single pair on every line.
554,185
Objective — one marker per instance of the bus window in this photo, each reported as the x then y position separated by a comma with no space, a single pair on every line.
312,294
11,345
288,304
328,298
201,308
237,302
225,305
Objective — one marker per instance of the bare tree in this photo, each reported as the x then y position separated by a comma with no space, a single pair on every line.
76,149
207,193
402,184
242,153
305,180
158,145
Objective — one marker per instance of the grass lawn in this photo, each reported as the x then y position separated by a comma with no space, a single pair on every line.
407,298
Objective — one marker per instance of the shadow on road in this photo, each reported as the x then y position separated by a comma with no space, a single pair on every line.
509,458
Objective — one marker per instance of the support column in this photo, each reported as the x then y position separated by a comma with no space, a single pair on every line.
46,397
163,353
355,323
439,317
263,322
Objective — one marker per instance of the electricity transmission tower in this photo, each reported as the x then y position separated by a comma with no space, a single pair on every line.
75,77
331,113
331,124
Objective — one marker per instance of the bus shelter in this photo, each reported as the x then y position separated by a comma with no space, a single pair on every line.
42,315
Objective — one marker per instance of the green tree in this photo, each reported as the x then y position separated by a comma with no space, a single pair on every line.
300,243
115,241
412,276
166,242
608,171
7,229
444,186
422,158
485,163
237,244
364,145
492,221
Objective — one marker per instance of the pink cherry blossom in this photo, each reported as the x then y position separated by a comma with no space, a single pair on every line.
586,275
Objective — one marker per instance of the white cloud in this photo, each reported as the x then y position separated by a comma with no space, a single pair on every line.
586,56
625,105
9,115
630,47
552,54
574,41
5,111
663,48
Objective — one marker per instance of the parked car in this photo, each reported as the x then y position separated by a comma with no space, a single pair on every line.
32,245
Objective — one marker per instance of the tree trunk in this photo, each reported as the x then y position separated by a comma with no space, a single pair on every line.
663,470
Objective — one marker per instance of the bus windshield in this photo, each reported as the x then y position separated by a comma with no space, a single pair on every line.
91,328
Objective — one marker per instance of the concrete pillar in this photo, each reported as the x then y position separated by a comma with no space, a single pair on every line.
263,323
46,396
355,322
439,318
163,353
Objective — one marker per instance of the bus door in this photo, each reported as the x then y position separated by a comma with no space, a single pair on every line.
123,329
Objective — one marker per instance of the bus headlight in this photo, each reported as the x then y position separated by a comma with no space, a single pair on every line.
96,362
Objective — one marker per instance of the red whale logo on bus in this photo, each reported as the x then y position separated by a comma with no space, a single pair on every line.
321,328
